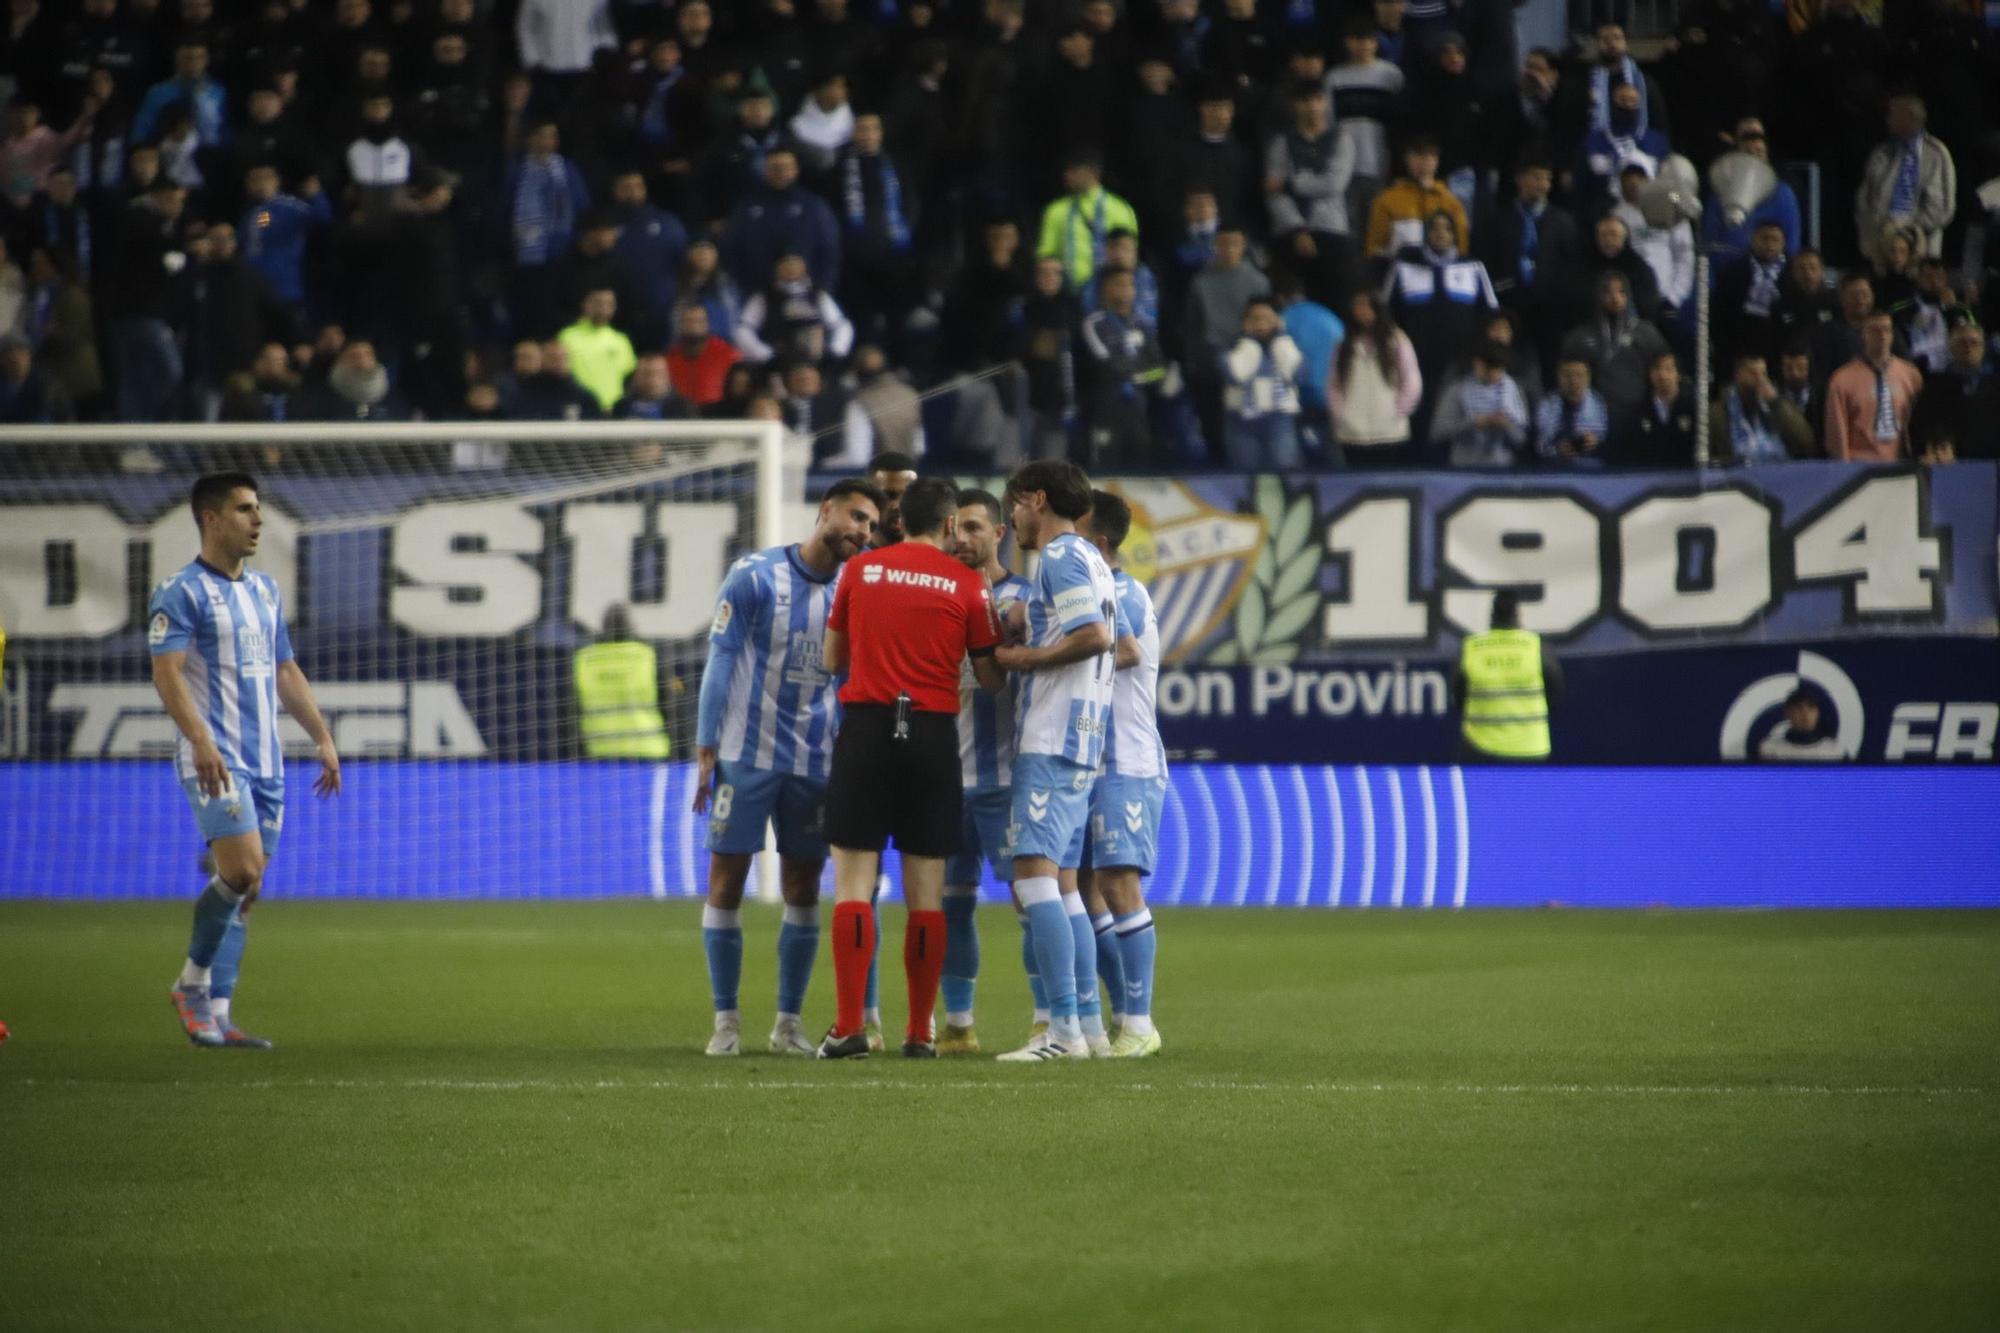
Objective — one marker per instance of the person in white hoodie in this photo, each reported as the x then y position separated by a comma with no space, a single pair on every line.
1373,388
1668,251
824,124
1261,392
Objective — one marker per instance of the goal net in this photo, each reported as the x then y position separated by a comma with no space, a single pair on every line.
439,581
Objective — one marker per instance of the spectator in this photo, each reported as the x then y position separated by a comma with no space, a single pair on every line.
880,220
742,383
1366,92
982,320
1390,38
30,150
543,200
1838,341
452,106
226,318
357,389
273,134
1727,241
706,283
595,261
1611,252
190,85
1798,386
1307,171
146,356
782,218
264,392
379,161
1572,423
1895,268
1447,103
732,168
1316,331
1608,151
1922,319
557,39
1523,362
59,221
1530,249
1121,250
1213,157
813,409
1660,433
1216,300
1617,345
824,124
698,362
1869,400
600,356
1050,317
1909,181
1804,304
1482,419
649,394
884,414
276,229
1537,122
1802,739
651,244
1075,227
1612,69
61,329
1439,297
1959,407
543,388
1374,387
26,396
1753,423
1401,213
1262,397
1748,295
1193,250
13,292
794,319
1124,355
1668,251
1157,125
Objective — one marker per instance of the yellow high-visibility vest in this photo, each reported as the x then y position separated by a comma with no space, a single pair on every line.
1506,706
618,689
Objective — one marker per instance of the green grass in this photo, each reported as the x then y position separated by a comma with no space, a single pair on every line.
497,1117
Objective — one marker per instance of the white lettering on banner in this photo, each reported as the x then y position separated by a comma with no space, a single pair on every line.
1875,542
1302,693
423,719
695,548
1549,543
474,550
1962,731
1373,538
1659,590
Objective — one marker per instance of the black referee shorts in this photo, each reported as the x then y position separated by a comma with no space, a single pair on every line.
883,788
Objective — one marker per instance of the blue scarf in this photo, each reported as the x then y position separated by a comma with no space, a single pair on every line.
654,127
1600,96
1097,231
544,213
1903,199
855,193
1751,438
1531,243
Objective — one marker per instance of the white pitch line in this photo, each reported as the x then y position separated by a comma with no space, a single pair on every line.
1008,1083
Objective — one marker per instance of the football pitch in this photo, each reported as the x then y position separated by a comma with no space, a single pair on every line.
498,1117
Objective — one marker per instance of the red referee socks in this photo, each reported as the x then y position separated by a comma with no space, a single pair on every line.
853,951
923,964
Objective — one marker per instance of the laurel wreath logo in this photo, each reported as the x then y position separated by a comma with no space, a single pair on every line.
1283,595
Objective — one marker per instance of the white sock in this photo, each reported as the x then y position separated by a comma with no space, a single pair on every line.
1138,1025
784,1018
872,1016
1067,1031
220,1008
727,1018
1041,1015
958,1020
1073,904
717,918
1038,889
192,975
802,916
1093,1025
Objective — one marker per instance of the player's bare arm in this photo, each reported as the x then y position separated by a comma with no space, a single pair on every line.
1125,654
1085,641
170,680
986,669
295,693
834,652
704,777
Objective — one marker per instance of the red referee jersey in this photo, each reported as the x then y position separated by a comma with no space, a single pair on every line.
911,614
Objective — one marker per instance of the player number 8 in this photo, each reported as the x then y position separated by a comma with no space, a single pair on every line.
725,796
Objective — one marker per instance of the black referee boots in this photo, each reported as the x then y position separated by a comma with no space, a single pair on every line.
853,1047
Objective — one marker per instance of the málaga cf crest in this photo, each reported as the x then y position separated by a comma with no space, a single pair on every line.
1195,559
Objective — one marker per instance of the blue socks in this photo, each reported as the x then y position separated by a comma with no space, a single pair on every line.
961,951
1110,968
1083,951
798,945
1033,968
228,958
871,1003
213,912
1055,946
722,940
1137,946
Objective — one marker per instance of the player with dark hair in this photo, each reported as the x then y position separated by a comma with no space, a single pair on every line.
764,748
904,621
1072,624
223,665
1125,805
986,761
892,474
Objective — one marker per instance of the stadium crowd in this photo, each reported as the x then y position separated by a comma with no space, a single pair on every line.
1136,233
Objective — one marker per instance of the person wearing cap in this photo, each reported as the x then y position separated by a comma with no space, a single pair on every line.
1075,226
1803,738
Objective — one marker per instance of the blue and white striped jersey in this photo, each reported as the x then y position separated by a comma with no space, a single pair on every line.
233,632
986,721
766,646
1062,711
1132,746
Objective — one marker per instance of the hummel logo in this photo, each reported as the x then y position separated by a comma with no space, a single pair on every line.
1038,806
1135,815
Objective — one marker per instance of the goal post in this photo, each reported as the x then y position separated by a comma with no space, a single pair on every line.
439,579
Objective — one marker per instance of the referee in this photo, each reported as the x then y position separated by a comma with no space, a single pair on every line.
904,619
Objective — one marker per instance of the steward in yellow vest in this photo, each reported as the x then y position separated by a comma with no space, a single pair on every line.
618,694
1504,679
